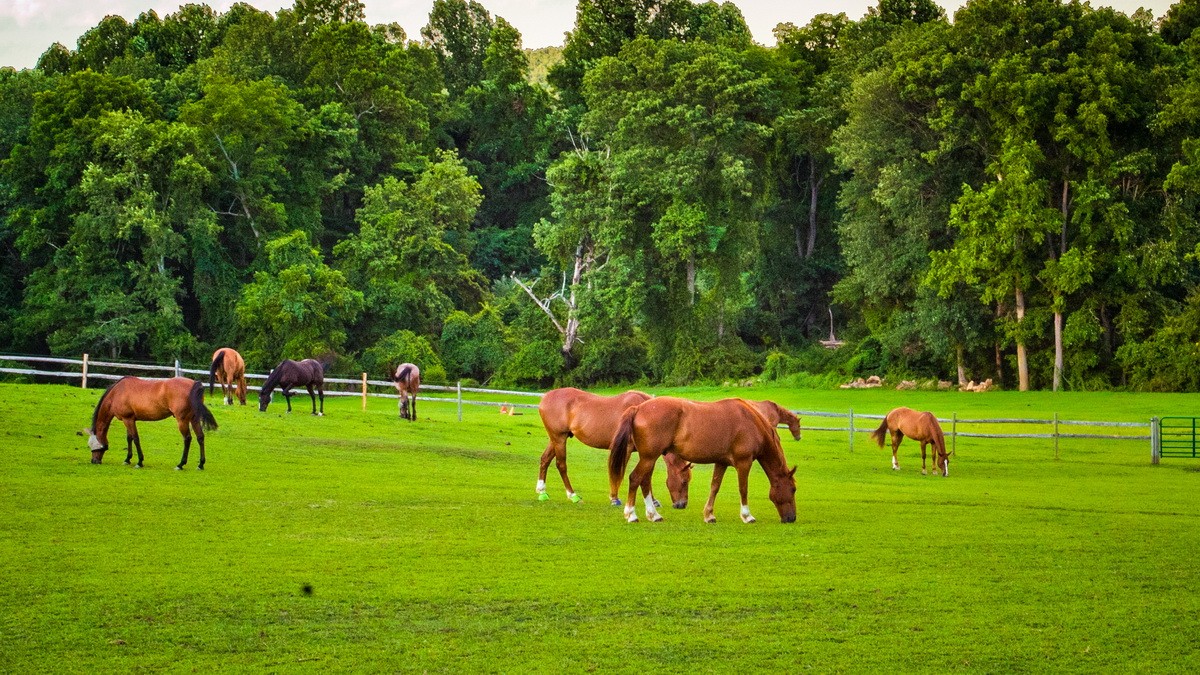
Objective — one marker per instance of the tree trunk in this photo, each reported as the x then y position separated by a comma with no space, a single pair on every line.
691,279
962,369
999,352
1022,357
814,192
1058,350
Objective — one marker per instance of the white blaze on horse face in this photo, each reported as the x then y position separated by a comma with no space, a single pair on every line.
94,443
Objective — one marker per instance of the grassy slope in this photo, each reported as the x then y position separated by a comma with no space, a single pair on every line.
427,551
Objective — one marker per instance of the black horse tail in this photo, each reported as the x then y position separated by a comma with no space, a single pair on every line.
619,451
218,361
879,433
196,399
402,376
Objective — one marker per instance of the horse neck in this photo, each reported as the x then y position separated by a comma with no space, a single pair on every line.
102,418
272,380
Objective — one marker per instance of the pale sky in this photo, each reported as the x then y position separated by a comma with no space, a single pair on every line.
28,27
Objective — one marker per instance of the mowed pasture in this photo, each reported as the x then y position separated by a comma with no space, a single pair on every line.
360,542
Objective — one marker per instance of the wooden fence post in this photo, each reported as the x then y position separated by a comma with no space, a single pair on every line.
459,400
178,369
1056,436
852,430
364,391
1155,440
85,361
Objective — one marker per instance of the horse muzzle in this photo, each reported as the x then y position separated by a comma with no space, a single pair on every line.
98,456
681,504
788,519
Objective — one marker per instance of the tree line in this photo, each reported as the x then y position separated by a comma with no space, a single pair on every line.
1012,194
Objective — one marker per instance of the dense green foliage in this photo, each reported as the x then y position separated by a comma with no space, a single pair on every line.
425,549
1014,194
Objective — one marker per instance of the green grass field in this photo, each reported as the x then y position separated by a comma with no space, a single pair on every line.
426,549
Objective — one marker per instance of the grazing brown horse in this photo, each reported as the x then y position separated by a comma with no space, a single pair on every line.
408,383
919,426
776,414
229,369
593,420
726,433
308,373
132,399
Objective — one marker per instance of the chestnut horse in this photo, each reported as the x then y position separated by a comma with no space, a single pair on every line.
919,426
593,420
408,383
308,373
776,414
228,368
726,433
132,399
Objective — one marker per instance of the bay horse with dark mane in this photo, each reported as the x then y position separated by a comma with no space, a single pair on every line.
308,373
593,419
229,369
725,433
919,426
132,399
408,383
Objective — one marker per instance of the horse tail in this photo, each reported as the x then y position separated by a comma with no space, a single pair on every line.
217,362
879,433
619,451
403,373
201,411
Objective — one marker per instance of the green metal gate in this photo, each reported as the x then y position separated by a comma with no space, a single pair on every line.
1175,437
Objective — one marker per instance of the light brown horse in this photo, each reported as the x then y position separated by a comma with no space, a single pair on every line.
776,414
726,433
132,399
919,426
229,369
408,383
593,420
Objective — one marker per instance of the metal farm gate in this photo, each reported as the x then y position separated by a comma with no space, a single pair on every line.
1174,437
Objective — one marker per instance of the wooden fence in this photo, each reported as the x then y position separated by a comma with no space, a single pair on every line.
362,387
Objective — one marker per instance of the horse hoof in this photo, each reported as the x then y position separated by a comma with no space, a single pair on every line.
710,519
127,462
543,497
179,468
657,504
615,502
575,499
748,519
924,473
631,519
656,518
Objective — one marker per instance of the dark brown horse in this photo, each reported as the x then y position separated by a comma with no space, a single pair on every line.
308,373
919,426
726,433
408,383
593,420
229,369
776,414
132,399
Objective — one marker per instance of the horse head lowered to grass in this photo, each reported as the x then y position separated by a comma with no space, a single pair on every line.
308,373
132,399
919,426
725,433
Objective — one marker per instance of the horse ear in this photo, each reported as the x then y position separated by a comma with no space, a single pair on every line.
690,466
792,473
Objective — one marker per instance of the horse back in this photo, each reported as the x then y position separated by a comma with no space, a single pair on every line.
591,418
150,400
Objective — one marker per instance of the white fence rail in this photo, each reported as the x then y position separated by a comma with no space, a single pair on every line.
362,385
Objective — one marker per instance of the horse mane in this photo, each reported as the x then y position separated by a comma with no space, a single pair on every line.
96,412
196,399
273,379
218,360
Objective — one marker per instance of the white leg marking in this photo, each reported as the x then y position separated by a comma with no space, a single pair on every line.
652,514
541,486
895,466
630,514
746,517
